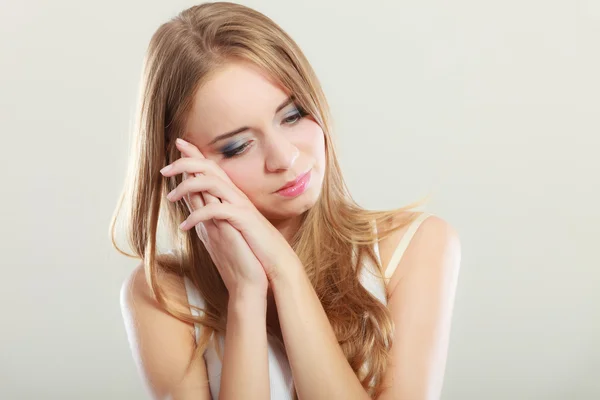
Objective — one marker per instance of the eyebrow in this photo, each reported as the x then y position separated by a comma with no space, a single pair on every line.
287,101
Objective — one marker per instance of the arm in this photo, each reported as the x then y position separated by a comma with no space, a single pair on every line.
162,345
421,308
245,373
422,291
245,370
319,367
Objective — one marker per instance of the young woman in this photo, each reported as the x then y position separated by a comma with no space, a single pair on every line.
273,282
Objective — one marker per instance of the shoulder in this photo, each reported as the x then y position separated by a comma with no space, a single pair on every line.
136,293
421,295
436,234
162,345
142,313
435,243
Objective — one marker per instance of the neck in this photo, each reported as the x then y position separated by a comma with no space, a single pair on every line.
287,227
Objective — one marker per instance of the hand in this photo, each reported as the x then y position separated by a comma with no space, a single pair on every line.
238,266
266,242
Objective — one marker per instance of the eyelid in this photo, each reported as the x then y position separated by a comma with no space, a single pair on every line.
296,111
294,107
237,150
232,145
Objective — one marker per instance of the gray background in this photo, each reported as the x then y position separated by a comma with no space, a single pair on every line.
489,107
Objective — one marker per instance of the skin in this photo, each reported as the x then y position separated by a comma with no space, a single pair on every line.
235,198
282,145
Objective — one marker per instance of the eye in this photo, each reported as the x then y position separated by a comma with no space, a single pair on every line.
295,117
229,153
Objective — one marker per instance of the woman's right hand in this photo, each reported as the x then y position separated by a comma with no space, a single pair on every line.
239,268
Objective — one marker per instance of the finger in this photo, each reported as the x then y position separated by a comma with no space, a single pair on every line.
216,211
193,161
200,199
211,185
208,198
194,165
188,149
193,200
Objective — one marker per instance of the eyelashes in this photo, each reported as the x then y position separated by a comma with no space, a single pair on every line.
298,115
236,148
229,153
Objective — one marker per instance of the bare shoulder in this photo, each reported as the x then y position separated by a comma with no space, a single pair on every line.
162,345
435,242
421,293
136,293
435,231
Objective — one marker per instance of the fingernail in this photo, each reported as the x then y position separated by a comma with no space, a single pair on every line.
183,224
166,169
181,142
171,194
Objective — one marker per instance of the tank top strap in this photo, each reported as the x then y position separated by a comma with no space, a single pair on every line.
403,245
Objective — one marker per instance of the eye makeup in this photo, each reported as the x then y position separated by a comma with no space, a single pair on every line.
238,147
234,148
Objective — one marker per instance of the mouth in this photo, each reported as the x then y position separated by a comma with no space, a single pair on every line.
296,186
293,182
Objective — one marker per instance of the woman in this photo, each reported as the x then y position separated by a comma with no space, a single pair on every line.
274,284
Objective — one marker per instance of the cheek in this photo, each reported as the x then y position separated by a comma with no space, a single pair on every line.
243,174
312,142
241,177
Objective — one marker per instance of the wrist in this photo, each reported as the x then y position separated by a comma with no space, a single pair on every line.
287,278
248,299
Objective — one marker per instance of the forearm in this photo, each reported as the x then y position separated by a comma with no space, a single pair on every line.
319,367
245,372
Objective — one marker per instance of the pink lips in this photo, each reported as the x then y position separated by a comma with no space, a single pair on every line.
297,187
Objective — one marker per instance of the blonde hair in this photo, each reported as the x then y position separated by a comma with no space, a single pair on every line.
182,54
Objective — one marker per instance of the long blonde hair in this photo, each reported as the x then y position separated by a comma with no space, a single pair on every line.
182,54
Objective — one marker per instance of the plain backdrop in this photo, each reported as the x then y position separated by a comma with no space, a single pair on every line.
491,108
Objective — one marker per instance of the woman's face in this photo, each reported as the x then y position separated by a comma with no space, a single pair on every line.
260,138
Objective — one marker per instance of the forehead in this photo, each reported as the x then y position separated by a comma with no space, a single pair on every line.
236,96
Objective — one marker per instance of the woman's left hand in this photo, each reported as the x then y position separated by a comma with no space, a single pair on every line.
270,247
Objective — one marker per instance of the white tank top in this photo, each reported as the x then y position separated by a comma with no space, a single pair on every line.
280,374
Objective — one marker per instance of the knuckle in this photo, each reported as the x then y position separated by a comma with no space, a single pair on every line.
194,215
197,181
209,179
183,186
212,164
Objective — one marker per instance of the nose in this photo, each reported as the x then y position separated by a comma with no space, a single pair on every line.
280,155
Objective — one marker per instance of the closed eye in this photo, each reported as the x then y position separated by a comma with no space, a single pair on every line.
229,153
